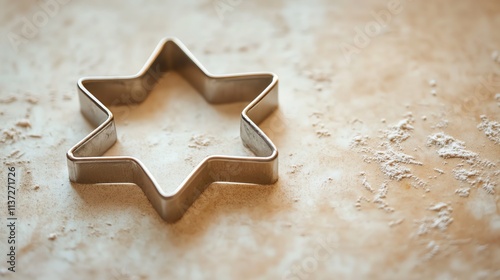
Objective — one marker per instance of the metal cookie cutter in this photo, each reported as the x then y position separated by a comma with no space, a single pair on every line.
86,164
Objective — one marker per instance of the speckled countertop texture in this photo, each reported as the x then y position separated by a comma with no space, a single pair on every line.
386,169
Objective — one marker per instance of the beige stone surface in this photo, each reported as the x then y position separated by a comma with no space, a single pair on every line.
347,71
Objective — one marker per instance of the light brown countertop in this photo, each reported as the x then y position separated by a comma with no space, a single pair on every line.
364,88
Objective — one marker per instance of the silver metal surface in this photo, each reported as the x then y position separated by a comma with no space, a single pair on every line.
86,164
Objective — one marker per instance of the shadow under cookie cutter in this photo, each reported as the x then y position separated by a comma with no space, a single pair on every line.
86,165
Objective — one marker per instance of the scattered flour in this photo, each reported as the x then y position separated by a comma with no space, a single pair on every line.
391,163
489,186
396,222
476,177
441,221
365,183
395,165
433,248
449,147
295,168
490,128
359,140
359,200
379,198
321,131
438,206
439,170
463,192
390,157
52,236
401,131
464,175
199,141
441,124
381,193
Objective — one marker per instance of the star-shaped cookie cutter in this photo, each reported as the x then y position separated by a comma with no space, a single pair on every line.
86,165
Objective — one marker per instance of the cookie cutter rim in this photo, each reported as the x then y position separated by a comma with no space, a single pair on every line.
86,164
